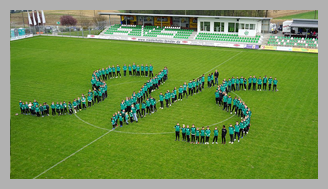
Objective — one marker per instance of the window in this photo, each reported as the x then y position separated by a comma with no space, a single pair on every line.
201,26
252,26
205,26
242,26
219,26
233,27
246,26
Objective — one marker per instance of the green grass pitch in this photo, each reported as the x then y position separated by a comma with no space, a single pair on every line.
282,142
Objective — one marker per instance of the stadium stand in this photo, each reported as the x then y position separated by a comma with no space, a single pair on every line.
227,37
149,31
293,41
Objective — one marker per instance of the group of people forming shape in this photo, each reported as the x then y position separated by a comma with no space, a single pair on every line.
191,135
97,94
130,107
131,110
240,129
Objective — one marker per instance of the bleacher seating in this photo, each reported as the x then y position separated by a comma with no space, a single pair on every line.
149,31
227,37
293,42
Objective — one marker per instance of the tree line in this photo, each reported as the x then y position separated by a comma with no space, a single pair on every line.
245,13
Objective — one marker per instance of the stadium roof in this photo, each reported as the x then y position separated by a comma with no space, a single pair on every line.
304,23
175,15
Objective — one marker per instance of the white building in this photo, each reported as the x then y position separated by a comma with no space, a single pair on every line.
243,26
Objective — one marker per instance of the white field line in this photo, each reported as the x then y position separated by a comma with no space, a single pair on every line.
91,124
72,154
224,62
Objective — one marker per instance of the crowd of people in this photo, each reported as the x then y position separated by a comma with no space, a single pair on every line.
141,103
96,94
236,105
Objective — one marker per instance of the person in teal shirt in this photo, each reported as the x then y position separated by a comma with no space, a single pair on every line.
197,135
254,83
216,134
124,69
148,106
209,81
229,100
203,80
146,70
193,133
225,100
120,119
113,71
237,84
134,69
188,133
207,133
37,110
138,70
237,128
259,84
70,108
202,135
180,92
161,99
183,131
113,122
250,80
167,98
270,82
229,85
231,132
142,69
74,106
151,71
241,128
217,95
275,81
89,100
130,70
58,108
118,71
190,85
138,109
84,100
185,90
143,109
126,115
265,80
172,96
110,72
233,81
177,132
242,84
52,106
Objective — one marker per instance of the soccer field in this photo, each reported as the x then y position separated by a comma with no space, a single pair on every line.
282,142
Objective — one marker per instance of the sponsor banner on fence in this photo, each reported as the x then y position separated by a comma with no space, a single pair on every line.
268,47
93,36
229,45
300,49
159,40
289,49
248,46
313,50
284,48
